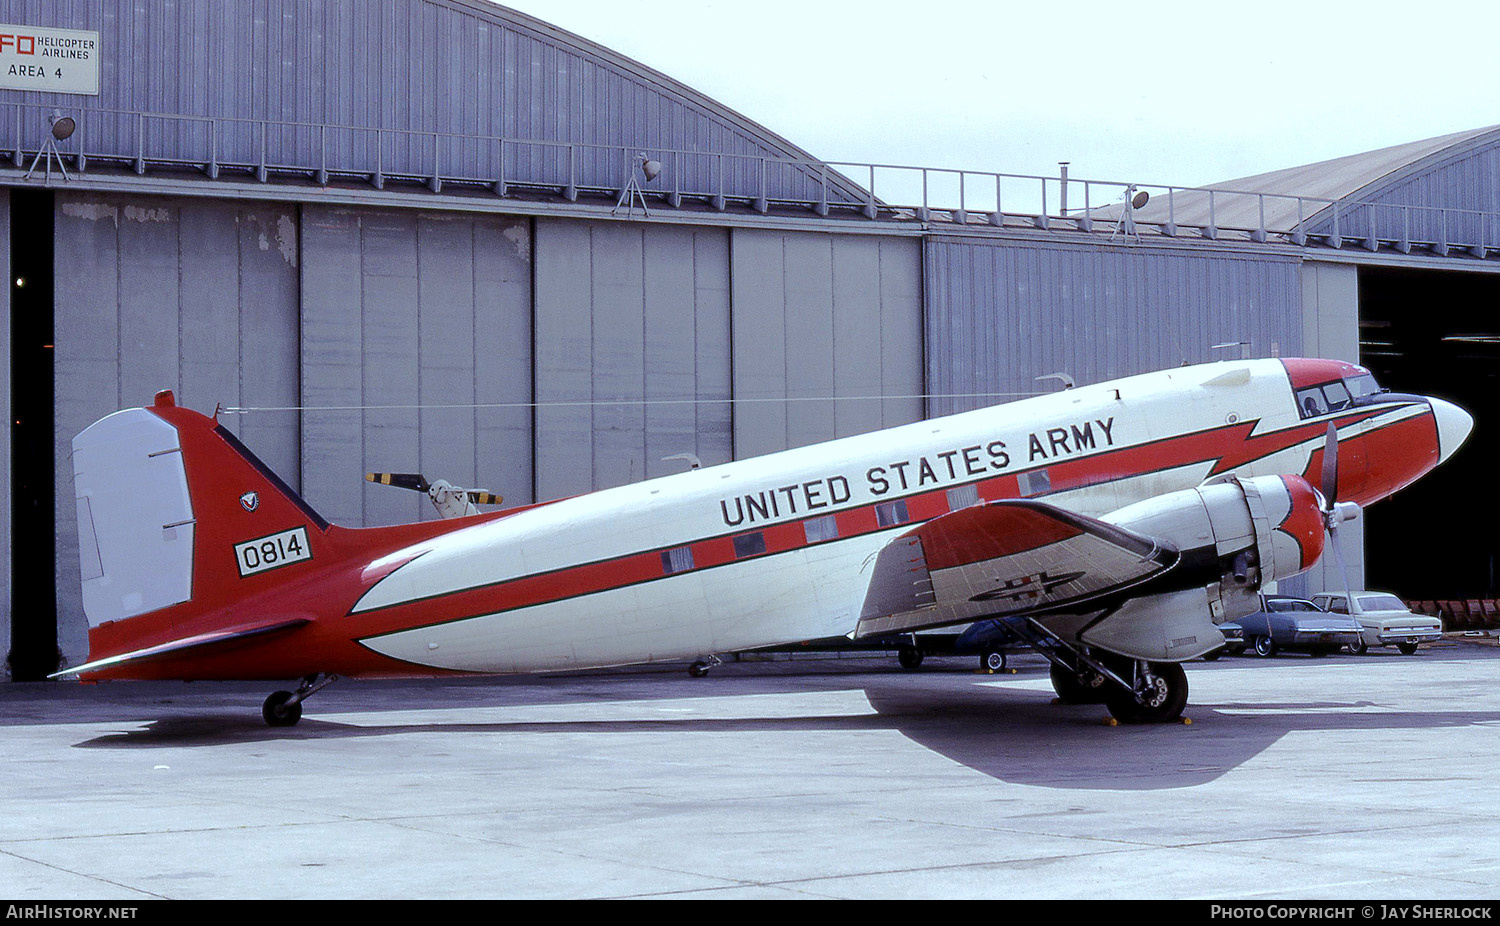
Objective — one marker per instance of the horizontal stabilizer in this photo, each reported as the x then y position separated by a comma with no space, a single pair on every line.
198,642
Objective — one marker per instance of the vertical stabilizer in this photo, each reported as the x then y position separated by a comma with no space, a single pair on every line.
135,516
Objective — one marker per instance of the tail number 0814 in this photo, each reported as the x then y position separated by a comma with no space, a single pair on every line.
272,552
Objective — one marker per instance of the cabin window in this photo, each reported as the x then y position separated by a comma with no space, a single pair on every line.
820,529
1037,482
678,559
963,497
749,545
889,514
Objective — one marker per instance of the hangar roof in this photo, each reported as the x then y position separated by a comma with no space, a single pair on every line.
1312,188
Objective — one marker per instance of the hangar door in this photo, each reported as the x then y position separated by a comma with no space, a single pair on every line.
196,296
416,357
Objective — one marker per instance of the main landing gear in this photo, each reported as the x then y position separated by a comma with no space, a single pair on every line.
284,708
1134,690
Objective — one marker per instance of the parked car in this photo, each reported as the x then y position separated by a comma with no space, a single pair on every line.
1284,623
1384,620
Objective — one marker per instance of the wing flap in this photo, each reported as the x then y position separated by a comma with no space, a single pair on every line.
1003,559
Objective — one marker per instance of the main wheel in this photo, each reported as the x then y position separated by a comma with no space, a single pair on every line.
1162,699
993,661
1073,690
1265,646
910,657
278,713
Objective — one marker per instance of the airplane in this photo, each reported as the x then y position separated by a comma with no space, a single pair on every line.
1111,526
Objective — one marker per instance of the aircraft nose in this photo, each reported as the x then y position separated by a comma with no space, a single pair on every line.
1453,426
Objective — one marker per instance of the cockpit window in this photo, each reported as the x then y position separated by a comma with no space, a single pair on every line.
1336,396
1311,403
1362,385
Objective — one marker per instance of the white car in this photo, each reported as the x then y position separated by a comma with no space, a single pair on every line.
1384,619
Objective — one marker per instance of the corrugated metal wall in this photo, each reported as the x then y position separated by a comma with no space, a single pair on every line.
197,296
819,316
1459,197
406,309
632,352
416,67
1001,313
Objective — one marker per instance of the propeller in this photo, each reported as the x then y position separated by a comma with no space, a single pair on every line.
1335,512
450,500
414,481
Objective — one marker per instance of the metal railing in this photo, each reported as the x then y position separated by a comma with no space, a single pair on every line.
270,149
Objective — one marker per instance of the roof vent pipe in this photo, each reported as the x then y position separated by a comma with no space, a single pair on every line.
1063,200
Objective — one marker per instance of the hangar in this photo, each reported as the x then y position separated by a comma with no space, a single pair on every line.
500,253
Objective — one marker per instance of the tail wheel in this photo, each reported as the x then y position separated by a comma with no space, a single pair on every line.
278,713
1160,696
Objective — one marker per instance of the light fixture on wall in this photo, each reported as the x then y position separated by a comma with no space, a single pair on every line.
632,192
62,129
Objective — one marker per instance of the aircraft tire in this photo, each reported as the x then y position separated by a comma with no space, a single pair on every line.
992,661
278,713
910,657
1164,704
1072,691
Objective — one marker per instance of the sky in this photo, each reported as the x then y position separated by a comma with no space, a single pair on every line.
1161,93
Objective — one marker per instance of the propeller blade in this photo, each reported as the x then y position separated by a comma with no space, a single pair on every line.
481,497
1331,466
1338,552
413,481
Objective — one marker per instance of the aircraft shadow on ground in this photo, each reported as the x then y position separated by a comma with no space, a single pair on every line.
1015,735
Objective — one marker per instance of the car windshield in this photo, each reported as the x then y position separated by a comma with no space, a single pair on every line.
1381,603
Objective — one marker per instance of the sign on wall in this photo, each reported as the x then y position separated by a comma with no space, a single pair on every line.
49,60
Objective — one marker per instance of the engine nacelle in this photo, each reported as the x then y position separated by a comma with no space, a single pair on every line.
1256,530
1233,536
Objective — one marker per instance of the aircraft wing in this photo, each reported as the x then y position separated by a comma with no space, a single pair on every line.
1002,559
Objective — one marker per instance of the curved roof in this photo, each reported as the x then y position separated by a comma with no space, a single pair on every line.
1354,178
406,89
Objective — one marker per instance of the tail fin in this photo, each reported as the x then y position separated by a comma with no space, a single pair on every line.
176,518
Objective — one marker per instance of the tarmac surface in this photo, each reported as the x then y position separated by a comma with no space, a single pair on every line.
1374,777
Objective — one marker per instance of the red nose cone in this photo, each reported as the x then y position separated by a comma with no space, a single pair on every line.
1304,522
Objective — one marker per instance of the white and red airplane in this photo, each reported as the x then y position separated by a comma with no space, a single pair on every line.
1112,526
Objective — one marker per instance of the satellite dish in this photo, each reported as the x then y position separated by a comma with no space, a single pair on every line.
63,127
1140,199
